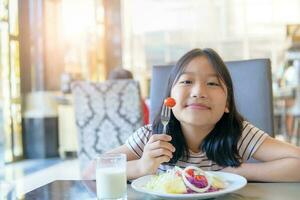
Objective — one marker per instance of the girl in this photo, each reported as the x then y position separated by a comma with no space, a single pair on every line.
206,130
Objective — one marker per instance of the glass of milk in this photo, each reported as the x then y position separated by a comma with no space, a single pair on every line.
111,176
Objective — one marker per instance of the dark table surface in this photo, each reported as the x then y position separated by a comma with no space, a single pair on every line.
67,190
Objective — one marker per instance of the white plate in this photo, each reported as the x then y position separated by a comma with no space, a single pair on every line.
234,181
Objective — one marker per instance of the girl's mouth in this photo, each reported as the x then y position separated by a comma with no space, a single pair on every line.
198,106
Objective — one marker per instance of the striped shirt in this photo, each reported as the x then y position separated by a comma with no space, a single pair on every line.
251,139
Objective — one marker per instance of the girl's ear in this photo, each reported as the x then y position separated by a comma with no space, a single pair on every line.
226,109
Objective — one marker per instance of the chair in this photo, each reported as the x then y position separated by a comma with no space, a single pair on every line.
106,114
252,87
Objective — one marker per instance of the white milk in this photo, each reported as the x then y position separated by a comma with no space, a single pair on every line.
111,183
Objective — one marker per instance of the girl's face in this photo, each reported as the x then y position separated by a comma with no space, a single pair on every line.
201,98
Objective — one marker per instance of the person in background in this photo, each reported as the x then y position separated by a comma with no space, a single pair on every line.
120,73
291,79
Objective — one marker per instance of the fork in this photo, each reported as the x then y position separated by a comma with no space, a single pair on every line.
165,117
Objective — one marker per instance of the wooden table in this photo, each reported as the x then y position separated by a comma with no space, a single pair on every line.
86,190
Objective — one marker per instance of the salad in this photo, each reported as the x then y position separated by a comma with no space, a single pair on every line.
185,181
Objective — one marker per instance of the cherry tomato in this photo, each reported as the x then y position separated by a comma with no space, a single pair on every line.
170,102
190,172
200,178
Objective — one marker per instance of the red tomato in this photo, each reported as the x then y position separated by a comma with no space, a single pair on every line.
190,172
170,102
200,178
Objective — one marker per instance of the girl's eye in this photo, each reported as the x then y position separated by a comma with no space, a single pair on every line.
213,84
186,82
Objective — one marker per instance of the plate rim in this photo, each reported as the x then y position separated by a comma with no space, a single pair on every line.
241,179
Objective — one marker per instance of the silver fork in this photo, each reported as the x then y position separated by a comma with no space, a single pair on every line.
165,117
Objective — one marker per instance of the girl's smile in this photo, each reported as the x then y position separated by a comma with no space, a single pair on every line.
198,106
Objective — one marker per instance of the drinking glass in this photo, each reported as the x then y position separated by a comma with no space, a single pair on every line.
111,176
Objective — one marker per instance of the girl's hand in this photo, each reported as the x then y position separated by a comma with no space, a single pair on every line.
158,150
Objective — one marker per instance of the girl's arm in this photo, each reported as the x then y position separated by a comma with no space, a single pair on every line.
280,162
158,150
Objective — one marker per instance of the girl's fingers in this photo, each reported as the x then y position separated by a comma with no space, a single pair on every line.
161,144
163,159
160,152
162,137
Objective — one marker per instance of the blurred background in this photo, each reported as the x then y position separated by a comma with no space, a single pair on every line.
47,44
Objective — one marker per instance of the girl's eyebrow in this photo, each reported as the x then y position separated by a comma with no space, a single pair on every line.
209,74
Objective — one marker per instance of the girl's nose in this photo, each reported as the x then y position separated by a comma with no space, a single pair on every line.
199,91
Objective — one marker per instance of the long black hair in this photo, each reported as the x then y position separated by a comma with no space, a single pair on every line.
220,145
